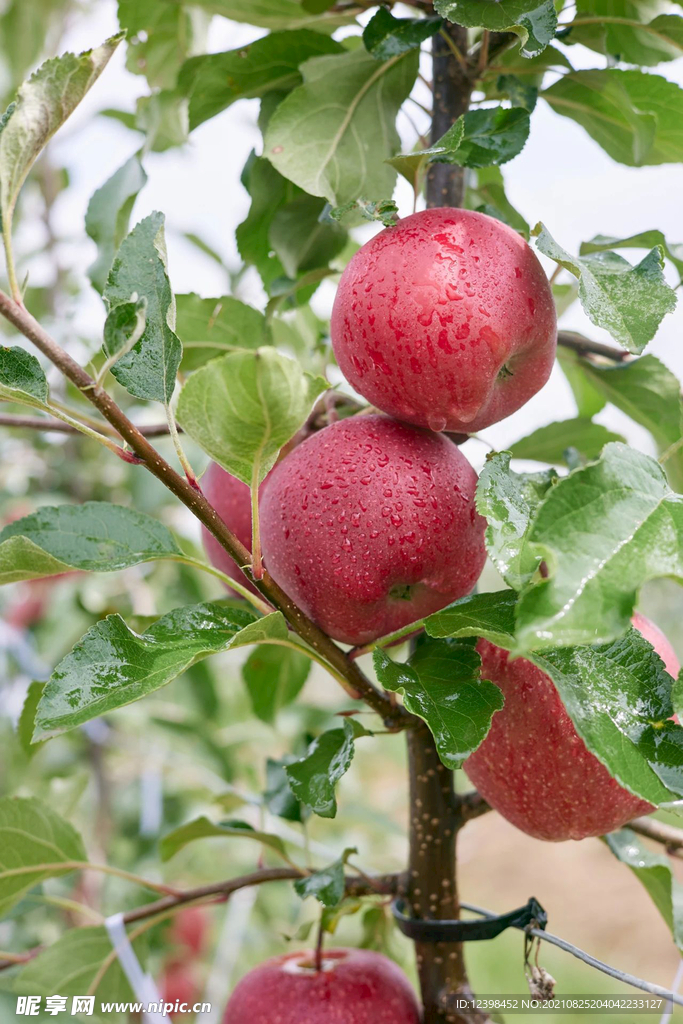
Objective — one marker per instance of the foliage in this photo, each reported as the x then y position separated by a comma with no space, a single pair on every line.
257,748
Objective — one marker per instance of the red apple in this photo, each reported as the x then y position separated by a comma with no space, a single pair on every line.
232,500
178,986
370,524
189,929
535,769
355,986
445,320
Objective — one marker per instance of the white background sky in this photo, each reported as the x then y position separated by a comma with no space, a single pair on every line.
562,178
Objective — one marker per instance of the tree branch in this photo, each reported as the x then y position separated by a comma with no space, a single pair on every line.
358,685
365,886
585,347
469,806
56,426
671,838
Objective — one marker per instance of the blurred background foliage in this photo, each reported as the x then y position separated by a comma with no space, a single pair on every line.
196,747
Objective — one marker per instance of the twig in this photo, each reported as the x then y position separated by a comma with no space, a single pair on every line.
381,884
469,806
585,347
670,837
613,972
56,426
356,684
483,53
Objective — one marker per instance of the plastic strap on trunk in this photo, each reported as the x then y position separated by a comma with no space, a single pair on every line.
531,915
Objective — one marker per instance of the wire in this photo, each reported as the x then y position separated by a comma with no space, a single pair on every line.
613,972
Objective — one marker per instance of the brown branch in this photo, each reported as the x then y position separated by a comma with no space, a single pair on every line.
379,885
56,426
585,347
469,806
357,684
671,838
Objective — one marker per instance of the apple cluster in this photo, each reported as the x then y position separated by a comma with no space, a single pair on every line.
444,322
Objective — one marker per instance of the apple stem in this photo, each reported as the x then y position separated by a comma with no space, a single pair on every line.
256,555
319,943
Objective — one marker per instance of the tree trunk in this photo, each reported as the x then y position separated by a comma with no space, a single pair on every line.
431,886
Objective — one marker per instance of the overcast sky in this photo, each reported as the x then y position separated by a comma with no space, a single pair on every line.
562,178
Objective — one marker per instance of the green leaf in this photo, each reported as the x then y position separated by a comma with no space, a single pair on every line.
112,666
441,684
27,718
519,92
633,115
95,536
149,370
22,378
603,531
490,14
42,106
653,871
328,884
160,37
108,216
274,677
242,408
549,444
509,502
486,193
314,777
645,240
202,828
589,400
333,134
276,14
385,36
271,64
269,191
278,796
123,328
488,615
73,966
164,119
629,302
630,31
648,392
537,28
213,327
385,211
34,843
492,135
535,23
301,240
619,697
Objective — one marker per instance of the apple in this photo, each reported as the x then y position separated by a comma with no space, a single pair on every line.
445,320
189,929
354,986
232,500
179,987
371,524
534,768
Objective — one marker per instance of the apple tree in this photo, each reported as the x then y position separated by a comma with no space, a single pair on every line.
404,305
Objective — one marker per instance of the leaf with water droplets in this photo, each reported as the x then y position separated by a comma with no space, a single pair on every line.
95,536
112,665
313,778
509,501
653,871
441,683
